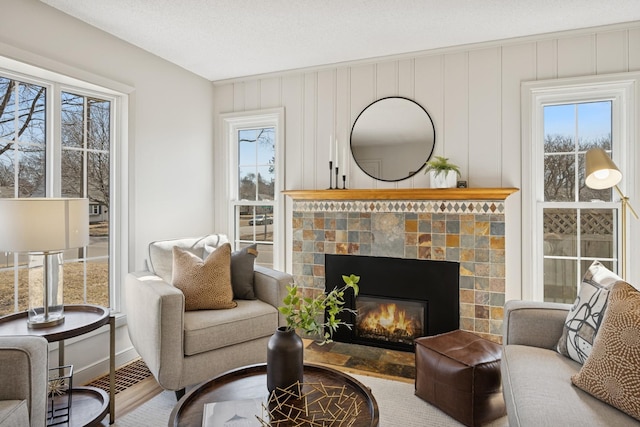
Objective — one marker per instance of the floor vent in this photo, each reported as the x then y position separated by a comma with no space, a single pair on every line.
126,376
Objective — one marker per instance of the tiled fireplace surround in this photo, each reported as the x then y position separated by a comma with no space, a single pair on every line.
416,226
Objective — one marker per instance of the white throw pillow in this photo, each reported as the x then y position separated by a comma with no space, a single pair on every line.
585,316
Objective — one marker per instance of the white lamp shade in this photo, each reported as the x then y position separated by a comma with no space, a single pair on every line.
43,224
600,170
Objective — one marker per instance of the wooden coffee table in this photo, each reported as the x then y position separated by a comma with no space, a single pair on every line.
251,382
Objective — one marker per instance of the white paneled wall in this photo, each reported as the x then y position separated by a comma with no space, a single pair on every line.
471,92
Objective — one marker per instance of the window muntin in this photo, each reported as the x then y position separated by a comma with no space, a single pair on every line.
76,162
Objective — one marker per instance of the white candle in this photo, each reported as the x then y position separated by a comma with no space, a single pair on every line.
345,161
330,148
337,152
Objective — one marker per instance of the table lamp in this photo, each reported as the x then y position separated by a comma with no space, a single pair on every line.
602,173
44,228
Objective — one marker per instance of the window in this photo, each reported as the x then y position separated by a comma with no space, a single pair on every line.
254,140
571,224
58,141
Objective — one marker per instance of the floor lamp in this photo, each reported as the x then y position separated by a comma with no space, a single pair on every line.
44,227
602,173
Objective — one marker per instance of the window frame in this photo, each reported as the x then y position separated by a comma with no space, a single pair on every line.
55,84
621,89
232,123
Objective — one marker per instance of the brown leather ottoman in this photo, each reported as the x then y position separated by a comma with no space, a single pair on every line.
459,373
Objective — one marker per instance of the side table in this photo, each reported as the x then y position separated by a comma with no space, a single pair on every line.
89,404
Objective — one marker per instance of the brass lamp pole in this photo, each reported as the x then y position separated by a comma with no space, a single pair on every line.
602,173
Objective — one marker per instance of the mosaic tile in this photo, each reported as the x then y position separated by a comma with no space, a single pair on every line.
496,299
497,284
452,254
497,228
481,312
497,313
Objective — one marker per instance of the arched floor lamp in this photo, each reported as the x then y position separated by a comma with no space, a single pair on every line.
602,173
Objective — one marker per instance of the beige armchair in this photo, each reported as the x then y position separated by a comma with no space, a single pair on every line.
23,381
183,348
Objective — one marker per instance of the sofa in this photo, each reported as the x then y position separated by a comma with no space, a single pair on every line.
185,347
23,375
536,379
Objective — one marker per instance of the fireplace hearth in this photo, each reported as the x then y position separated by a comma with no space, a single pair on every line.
400,299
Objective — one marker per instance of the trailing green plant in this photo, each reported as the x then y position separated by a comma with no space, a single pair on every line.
304,313
441,165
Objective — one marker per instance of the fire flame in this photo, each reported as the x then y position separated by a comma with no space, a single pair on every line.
389,318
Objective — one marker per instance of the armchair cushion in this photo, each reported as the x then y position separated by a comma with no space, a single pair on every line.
206,284
14,413
206,330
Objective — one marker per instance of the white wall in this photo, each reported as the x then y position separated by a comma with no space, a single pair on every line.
471,92
170,133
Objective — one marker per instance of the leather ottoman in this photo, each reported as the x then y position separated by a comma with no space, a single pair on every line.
459,373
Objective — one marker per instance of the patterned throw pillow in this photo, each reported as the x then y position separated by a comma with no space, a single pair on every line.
585,315
205,284
612,371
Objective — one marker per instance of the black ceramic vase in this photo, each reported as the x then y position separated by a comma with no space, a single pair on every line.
284,359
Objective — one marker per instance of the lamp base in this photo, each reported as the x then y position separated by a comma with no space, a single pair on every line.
40,321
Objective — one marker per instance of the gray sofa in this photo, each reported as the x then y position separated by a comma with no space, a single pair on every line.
536,379
183,348
23,375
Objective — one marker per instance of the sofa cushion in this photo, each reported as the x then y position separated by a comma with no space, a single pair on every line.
14,413
538,392
207,330
242,263
161,252
612,371
206,284
585,316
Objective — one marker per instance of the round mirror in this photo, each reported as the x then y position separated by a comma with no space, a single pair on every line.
392,139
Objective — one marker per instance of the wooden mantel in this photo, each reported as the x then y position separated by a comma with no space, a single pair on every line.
404,194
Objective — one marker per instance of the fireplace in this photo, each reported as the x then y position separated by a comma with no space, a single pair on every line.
399,300
394,321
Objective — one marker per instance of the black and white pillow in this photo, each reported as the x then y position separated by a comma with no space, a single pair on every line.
585,316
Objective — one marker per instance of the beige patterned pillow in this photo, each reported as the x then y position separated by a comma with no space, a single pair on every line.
205,284
612,371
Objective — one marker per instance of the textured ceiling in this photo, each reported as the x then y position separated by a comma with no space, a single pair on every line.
222,39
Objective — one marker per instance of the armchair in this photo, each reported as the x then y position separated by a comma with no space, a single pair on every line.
183,348
23,378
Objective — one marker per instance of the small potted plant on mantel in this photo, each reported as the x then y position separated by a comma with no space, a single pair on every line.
442,174
313,316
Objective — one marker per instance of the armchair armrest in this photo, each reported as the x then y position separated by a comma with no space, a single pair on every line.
271,287
24,371
533,323
155,321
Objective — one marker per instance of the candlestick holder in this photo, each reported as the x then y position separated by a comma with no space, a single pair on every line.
344,182
331,176
337,177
